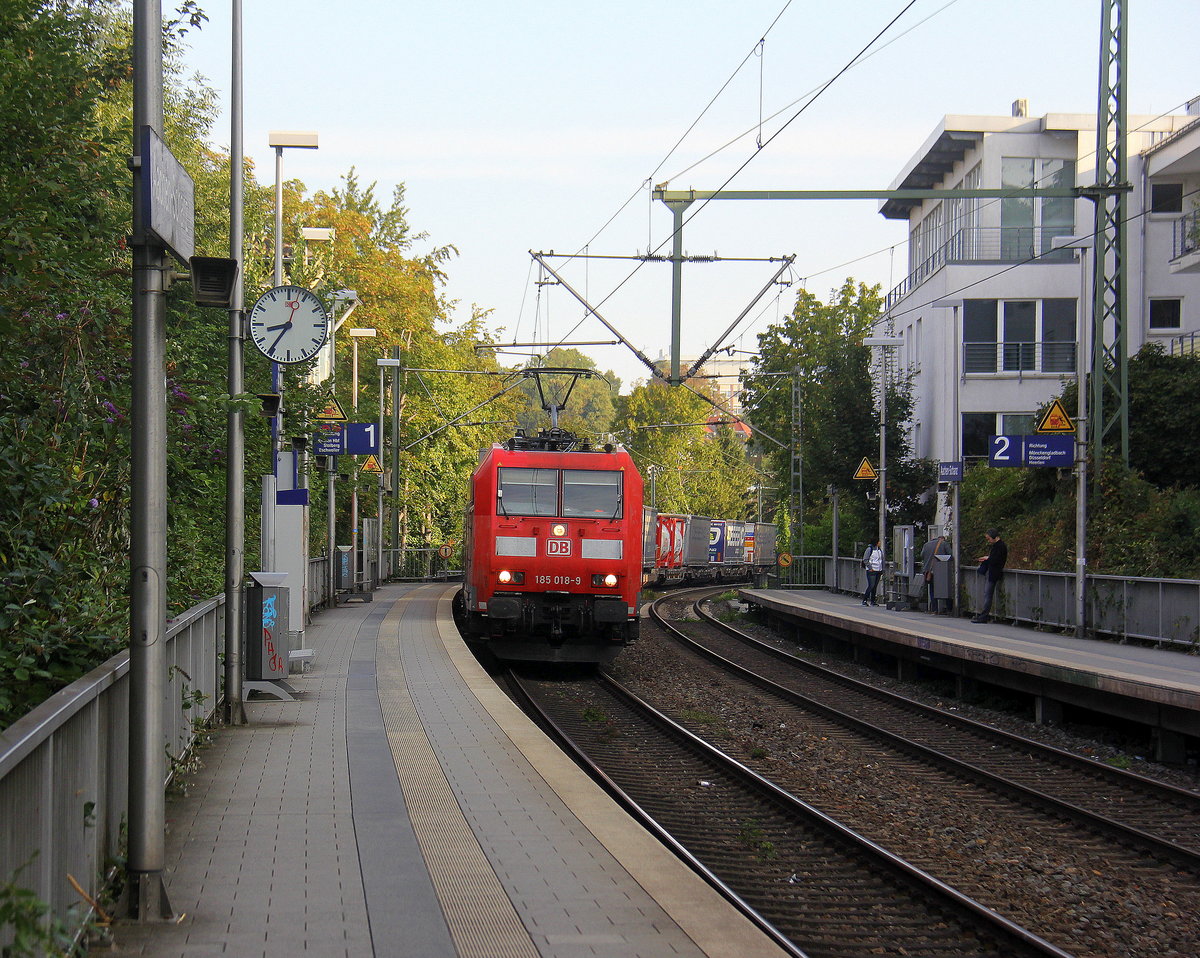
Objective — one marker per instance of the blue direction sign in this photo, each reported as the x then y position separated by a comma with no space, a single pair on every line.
1050,451
327,443
361,438
950,471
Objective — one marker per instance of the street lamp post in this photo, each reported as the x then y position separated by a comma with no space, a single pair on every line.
884,343
1084,247
326,368
355,336
955,448
383,364
281,140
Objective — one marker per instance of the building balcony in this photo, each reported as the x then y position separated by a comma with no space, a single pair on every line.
1187,344
1018,359
983,245
1185,243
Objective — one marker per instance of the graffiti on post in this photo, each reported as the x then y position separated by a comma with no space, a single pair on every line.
270,617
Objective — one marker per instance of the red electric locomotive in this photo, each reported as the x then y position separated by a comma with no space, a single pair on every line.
553,550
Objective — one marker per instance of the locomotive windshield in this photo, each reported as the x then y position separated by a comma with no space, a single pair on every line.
571,493
589,492
528,492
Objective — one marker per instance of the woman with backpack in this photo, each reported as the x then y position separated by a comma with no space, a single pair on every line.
872,561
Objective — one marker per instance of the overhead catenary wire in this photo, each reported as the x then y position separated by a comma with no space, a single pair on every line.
984,205
703,204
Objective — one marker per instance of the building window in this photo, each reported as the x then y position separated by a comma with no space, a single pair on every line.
1028,225
1020,323
977,428
1034,336
1166,313
979,335
1166,197
1018,425
1058,335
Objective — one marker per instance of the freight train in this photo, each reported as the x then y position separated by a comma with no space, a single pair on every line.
699,549
557,545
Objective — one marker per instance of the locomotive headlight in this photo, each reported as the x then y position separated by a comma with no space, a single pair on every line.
505,577
559,529
609,581
515,578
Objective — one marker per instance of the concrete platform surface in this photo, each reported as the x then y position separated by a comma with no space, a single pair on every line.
403,806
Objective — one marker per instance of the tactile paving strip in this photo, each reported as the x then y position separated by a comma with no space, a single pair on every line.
481,918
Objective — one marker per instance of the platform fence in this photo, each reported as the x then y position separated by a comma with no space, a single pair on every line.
1165,611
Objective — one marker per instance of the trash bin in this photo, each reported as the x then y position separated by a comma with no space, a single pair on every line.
345,575
266,652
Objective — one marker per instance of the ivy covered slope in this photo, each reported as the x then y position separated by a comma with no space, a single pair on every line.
65,305
64,387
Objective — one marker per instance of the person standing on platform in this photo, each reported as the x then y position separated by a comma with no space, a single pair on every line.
991,566
872,561
932,549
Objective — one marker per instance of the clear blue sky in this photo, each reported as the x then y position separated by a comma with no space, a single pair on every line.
523,126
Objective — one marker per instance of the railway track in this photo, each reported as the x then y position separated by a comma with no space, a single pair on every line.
828,892
1157,819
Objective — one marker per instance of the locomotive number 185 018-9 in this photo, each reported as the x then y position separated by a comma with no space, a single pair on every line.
558,580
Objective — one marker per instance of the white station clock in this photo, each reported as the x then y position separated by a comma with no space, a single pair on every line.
288,324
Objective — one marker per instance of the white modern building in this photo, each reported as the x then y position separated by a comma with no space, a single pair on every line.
991,308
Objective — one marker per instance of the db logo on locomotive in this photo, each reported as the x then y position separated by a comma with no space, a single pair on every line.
558,547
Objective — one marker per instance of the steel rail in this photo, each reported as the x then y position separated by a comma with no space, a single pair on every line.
1147,841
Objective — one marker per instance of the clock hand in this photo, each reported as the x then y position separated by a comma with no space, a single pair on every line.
293,305
271,329
286,327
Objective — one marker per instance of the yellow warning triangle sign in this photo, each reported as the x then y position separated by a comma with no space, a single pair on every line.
330,411
866,470
1056,420
372,465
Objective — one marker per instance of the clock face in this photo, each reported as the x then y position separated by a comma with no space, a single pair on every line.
288,324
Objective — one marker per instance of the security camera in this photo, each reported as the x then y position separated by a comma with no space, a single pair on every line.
212,280
270,404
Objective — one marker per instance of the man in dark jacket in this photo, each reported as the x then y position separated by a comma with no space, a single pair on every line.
993,569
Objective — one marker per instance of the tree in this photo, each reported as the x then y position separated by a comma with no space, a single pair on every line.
1164,415
819,346
694,469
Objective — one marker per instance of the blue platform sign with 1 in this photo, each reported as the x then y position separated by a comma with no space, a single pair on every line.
361,438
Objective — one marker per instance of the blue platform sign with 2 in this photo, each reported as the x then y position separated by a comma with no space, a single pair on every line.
1006,451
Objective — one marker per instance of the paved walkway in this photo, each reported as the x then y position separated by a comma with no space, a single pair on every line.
402,806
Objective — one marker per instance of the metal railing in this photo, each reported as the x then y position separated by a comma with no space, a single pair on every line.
1185,234
1165,611
64,766
424,563
1148,610
1010,357
1187,344
987,244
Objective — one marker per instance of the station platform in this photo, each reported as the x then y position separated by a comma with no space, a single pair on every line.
403,806
1156,687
